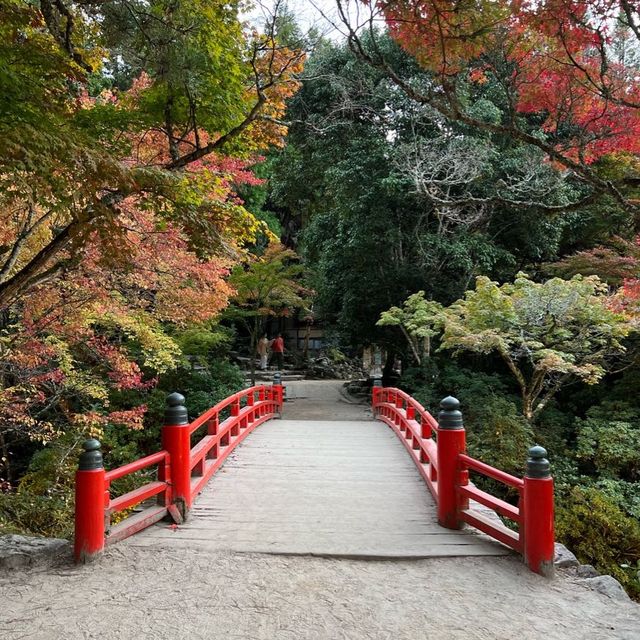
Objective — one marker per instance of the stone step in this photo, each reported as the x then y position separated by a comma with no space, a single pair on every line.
268,376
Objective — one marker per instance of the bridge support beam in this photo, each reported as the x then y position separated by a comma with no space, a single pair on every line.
176,440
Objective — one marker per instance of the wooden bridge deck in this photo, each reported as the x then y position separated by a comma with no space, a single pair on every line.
338,487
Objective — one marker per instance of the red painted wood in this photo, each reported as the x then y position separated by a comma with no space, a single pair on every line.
89,514
499,532
132,467
203,447
136,496
500,506
451,443
212,465
538,524
426,470
491,472
176,439
176,465
445,468
135,523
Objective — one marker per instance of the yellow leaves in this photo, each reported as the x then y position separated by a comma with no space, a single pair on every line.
159,352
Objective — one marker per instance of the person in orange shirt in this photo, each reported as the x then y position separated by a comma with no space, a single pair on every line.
277,349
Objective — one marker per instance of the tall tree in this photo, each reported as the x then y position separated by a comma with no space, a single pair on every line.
555,61
71,164
267,287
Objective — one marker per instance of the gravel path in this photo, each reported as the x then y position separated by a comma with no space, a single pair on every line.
168,593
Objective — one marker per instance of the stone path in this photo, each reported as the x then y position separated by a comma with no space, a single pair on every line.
192,594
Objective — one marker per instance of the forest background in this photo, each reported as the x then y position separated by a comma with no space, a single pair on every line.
161,158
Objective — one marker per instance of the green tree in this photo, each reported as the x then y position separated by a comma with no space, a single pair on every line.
269,286
419,320
546,333
386,197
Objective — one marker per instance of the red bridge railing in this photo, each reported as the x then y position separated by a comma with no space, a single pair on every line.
438,449
191,453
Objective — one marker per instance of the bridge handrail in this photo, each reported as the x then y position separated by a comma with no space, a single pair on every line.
224,404
182,473
223,437
491,472
444,465
393,394
136,465
139,494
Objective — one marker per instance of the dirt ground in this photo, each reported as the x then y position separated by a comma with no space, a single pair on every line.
168,593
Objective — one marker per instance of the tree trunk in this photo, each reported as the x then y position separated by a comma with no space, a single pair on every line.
527,404
252,350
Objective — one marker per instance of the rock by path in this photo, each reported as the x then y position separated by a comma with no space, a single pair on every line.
189,594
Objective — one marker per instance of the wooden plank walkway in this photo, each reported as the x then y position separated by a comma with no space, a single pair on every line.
343,488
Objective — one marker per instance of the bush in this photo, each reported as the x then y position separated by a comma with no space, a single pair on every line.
438,378
43,502
499,435
599,533
608,441
28,513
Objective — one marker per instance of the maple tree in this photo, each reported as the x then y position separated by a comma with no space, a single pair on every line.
546,333
567,65
70,162
126,130
268,286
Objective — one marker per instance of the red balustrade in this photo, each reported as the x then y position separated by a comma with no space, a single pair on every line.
182,469
438,449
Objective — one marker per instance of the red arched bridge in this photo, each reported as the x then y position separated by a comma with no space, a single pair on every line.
341,487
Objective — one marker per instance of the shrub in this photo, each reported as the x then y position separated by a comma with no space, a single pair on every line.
499,435
43,501
608,440
599,533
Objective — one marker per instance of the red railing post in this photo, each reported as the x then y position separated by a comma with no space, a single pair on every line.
250,403
451,443
539,548
278,391
90,504
261,399
376,392
176,441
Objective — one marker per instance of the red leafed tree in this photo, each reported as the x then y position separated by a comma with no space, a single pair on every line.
570,61
120,217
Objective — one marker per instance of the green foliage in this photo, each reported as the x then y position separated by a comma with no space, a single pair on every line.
608,441
204,344
379,216
599,533
204,389
195,51
419,319
546,333
499,435
271,285
43,502
335,355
